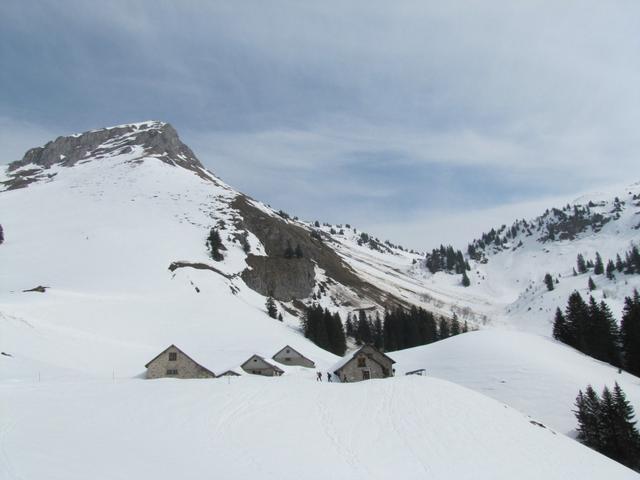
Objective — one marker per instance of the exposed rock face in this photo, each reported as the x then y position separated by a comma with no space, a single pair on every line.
290,278
285,279
156,139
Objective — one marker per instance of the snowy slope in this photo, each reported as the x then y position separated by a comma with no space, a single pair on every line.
101,234
529,372
284,428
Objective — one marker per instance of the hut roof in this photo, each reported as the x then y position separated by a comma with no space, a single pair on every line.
182,352
347,358
278,369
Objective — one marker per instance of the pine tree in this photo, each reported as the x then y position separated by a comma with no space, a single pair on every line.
214,244
630,333
591,284
581,264
627,432
548,281
378,334
465,327
288,252
280,316
598,266
455,325
619,264
298,251
443,329
349,326
465,279
610,269
588,415
560,329
606,424
272,310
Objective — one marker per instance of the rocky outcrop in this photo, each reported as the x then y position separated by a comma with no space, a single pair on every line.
285,279
156,139
294,278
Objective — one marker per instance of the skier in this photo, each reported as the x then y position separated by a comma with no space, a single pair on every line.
318,376
328,377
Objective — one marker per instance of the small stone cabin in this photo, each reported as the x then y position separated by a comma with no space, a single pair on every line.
289,356
364,364
257,365
174,363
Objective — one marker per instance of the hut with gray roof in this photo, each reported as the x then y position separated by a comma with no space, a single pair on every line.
290,356
363,364
256,365
174,363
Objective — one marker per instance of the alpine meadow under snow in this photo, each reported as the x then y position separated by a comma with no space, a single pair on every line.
113,224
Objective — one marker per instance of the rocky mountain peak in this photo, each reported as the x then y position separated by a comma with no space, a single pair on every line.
145,139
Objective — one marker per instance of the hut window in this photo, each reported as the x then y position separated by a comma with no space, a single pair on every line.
362,362
287,359
288,351
172,372
173,356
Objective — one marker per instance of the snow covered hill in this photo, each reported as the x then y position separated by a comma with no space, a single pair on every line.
529,372
285,428
113,223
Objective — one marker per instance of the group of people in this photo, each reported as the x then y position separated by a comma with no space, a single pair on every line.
329,377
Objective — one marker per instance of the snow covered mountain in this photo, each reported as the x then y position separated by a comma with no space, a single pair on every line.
113,224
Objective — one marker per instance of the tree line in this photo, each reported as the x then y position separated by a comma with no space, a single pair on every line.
592,329
446,259
605,423
402,328
399,328
324,329
630,264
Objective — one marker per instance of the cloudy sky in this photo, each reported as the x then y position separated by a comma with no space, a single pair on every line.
422,122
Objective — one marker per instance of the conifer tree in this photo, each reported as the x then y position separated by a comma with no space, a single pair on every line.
630,333
298,251
548,281
465,327
455,325
214,244
627,432
272,310
606,424
598,266
560,329
465,279
288,252
378,334
349,326
588,413
443,329
591,284
280,316
619,264
611,268
581,264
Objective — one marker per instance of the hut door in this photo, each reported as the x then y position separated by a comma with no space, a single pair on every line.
366,375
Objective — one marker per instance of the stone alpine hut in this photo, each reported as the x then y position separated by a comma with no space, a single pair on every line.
174,363
290,356
366,363
257,365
